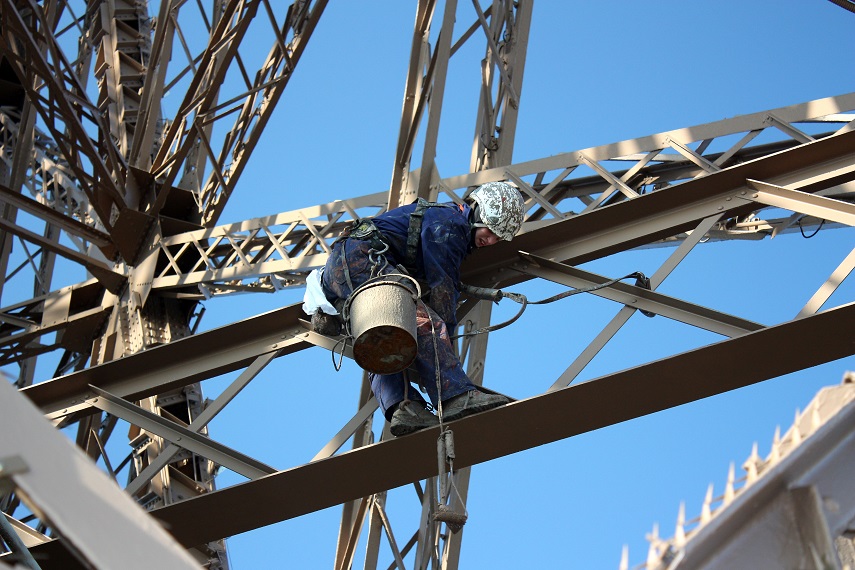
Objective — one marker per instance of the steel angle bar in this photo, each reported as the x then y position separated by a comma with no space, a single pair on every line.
29,536
179,435
180,363
102,525
631,393
103,272
54,217
638,297
743,123
667,212
365,412
810,204
788,129
830,286
625,312
338,345
202,420
574,240
16,545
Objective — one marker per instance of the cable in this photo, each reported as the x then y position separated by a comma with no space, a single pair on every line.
802,230
496,295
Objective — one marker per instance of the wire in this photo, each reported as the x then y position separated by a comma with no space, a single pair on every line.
801,229
640,278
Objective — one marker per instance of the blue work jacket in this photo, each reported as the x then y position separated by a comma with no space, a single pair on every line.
446,238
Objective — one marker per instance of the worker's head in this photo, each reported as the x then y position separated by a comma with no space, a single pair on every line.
499,209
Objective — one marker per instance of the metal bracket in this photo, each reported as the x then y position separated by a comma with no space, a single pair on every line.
12,465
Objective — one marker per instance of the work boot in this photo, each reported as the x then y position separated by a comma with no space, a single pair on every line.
471,402
410,417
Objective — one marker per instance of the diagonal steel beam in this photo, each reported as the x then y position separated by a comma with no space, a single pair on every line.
104,273
639,298
550,417
179,435
53,217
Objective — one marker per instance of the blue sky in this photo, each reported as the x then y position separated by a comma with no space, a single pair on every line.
596,73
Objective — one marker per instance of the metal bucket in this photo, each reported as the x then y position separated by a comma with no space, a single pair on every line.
382,316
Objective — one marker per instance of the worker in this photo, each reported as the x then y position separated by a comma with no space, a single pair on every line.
430,241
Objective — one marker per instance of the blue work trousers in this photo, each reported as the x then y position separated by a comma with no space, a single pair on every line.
436,354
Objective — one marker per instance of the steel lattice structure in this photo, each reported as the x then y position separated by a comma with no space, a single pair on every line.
96,175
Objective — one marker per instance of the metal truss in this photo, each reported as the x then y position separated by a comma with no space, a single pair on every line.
132,191
654,386
276,252
109,176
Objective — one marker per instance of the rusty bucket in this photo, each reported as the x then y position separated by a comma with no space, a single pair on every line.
382,318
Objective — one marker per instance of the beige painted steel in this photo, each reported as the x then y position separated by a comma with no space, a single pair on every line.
627,224
192,148
634,392
91,512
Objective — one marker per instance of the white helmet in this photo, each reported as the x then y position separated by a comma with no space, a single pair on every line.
501,208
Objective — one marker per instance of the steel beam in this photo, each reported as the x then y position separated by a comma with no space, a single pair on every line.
582,238
670,211
98,521
179,363
639,298
550,417
179,435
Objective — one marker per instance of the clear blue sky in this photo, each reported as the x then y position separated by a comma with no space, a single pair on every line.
596,73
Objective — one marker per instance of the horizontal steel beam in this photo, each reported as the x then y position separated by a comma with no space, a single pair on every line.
174,365
547,418
574,240
665,213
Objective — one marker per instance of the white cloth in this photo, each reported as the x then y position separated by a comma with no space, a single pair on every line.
314,297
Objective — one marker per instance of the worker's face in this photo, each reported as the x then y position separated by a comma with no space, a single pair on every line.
485,237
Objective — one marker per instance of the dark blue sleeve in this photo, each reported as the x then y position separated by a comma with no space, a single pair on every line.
444,244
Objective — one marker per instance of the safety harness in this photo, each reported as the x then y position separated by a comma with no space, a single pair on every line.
365,229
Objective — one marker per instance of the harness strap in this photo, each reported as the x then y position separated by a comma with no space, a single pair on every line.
414,230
